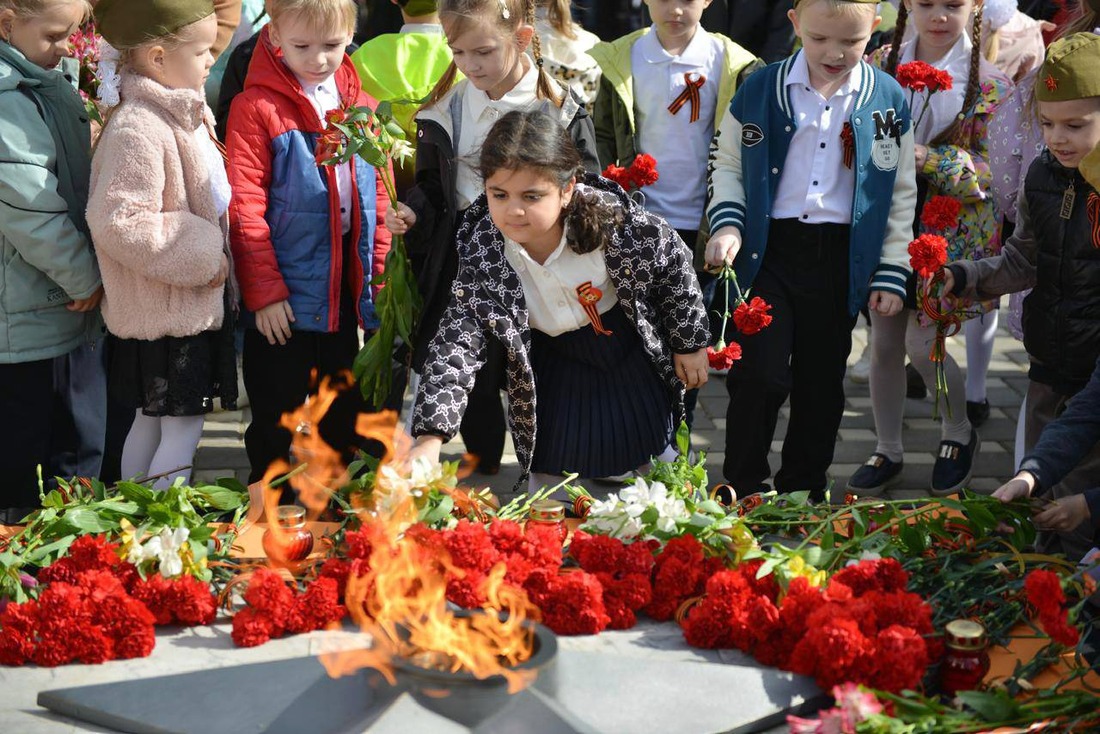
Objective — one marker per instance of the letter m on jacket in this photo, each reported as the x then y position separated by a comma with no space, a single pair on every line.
887,125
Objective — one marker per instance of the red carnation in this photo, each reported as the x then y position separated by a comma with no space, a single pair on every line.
928,254
1044,593
900,659
318,607
643,171
571,603
941,213
470,546
753,316
919,76
251,627
617,174
723,359
833,652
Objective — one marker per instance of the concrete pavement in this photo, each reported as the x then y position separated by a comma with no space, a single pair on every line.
221,451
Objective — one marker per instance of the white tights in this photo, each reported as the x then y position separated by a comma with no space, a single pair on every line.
160,444
892,337
979,333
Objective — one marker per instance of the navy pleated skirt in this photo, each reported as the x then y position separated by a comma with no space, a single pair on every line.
602,408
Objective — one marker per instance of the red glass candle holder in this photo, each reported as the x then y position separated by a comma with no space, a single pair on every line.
288,539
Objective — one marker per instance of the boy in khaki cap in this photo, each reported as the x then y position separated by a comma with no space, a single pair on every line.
1056,251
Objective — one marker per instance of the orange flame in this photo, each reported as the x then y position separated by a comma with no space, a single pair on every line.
401,600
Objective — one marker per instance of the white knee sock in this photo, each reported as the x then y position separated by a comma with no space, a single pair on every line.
887,380
918,343
179,437
979,333
140,446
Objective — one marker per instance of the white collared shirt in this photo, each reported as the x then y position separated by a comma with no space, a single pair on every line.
215,165
325,98
479,113
944,104
422,28
815,186
553,306
679,146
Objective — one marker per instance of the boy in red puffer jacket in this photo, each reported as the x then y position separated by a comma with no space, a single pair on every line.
306,238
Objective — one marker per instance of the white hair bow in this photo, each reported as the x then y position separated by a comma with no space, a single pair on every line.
107,74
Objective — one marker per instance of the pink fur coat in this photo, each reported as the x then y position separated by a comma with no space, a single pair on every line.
156,232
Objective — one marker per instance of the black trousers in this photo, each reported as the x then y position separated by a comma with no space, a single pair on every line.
26,404
278,378
802,354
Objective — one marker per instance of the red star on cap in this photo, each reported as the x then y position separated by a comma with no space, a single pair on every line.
1052,83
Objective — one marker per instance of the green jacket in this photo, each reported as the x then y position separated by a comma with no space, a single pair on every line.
46,257
616,134
397,66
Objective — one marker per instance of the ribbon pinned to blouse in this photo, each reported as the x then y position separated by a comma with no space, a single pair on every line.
690,94
589,295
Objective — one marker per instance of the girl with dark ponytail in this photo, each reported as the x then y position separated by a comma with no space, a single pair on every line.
952,160
593,300
489,41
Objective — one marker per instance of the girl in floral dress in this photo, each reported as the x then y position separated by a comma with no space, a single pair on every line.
952,160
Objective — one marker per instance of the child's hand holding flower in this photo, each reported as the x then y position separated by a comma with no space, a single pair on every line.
723,246
400,219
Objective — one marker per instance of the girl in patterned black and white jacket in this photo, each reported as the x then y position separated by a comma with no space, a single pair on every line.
592,298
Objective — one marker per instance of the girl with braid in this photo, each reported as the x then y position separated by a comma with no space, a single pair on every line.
593,299
488,40
952,159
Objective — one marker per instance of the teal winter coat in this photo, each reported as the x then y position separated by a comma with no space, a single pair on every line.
46,258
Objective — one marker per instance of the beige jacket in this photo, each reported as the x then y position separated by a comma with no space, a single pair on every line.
152,217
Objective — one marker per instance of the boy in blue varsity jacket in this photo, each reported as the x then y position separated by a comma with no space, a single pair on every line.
812,189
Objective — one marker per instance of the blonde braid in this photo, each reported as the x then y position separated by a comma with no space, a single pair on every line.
547,88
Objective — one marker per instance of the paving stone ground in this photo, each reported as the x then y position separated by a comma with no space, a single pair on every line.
221,451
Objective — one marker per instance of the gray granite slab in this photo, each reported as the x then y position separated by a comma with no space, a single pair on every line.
636,681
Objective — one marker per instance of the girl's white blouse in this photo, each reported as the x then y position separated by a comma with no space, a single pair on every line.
553,305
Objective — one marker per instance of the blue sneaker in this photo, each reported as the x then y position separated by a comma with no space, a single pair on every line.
875,476
954,465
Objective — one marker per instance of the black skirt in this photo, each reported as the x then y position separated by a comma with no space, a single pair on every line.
175,376
602,408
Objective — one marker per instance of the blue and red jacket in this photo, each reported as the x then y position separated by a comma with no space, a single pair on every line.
284,217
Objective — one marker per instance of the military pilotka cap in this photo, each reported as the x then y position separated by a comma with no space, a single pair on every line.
129,23
1071,69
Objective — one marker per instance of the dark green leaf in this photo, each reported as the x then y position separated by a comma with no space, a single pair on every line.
993,706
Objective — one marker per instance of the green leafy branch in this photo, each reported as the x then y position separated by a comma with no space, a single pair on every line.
377,138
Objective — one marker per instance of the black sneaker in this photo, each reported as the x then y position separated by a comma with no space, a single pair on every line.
977,413
954,464
915,388
875,476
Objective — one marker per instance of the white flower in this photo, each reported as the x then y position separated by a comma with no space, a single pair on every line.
136,554
165,548
615,518
670,512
